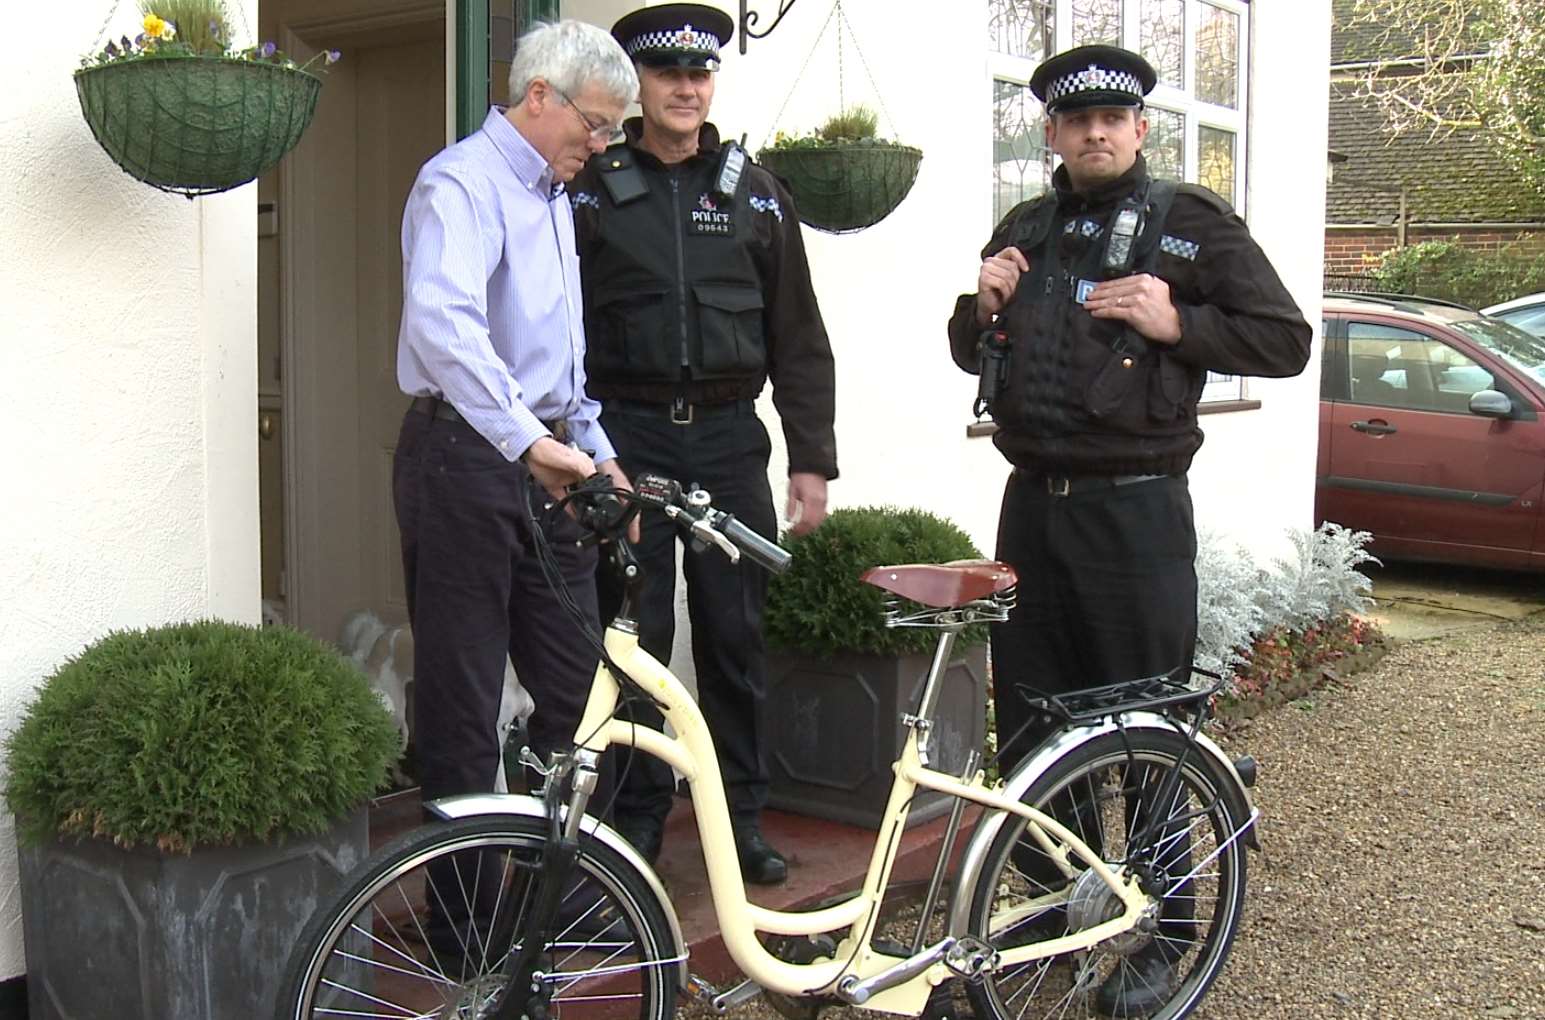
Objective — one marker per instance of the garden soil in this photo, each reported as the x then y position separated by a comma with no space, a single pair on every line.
1402,873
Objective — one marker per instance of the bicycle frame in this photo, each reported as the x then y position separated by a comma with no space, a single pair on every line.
868,976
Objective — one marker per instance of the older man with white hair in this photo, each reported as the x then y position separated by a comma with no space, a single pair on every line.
491,350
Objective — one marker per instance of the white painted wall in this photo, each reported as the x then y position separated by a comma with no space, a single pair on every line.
127,347
886,292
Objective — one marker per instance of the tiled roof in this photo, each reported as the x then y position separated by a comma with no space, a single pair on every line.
1351,43
1456,178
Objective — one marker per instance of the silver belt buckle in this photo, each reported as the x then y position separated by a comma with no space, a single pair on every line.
1058,485
681,411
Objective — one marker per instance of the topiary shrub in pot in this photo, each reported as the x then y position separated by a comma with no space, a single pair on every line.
839,679
184,797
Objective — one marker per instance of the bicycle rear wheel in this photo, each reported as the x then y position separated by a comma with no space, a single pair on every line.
1182,840
427,927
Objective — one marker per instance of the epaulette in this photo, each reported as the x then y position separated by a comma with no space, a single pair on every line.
620,174
1206,196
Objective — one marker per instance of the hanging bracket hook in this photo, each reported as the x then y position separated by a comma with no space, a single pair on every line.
748,17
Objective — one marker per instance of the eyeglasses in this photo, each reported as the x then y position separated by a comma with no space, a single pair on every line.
602,132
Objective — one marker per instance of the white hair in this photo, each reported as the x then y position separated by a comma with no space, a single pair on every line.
569,55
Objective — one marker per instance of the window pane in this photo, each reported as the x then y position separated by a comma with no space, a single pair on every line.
1217,57
1021,163
1163,38
1096,21
1021,28
1398,368
1215,160
1165,147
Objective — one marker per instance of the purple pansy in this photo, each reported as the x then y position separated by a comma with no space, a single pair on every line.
267,50
333,56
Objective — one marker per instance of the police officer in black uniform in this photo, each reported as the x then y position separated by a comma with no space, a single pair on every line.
697,293
1101,306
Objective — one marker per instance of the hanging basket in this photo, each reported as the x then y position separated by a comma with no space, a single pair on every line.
196,125
845,187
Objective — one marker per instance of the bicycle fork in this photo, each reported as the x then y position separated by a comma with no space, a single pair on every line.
525,994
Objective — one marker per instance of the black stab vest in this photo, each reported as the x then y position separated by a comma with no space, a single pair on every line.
673,291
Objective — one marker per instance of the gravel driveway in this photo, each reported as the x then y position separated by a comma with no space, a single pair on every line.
1403,869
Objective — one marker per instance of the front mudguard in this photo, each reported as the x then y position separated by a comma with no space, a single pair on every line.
474,805
973,859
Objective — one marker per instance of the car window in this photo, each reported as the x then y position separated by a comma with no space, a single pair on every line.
1508,342
1531,319
1395,367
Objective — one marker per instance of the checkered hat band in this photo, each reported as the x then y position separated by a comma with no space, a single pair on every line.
675,39
1094,78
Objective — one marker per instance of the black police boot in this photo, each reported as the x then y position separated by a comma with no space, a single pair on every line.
759,862
646,835
1139,986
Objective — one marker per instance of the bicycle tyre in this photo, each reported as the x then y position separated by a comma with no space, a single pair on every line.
620,948
1205,805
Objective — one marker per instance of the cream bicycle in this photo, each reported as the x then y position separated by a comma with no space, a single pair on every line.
1121,838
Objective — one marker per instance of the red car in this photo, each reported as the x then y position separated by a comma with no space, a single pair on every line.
1431,435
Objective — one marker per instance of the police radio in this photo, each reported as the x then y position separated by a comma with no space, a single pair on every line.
732,164
1126,223
992,369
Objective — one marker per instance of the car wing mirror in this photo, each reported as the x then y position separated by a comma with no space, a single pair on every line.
1491,404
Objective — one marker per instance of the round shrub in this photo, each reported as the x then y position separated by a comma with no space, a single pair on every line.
194,734
821,607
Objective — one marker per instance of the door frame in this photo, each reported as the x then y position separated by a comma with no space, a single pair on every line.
303,211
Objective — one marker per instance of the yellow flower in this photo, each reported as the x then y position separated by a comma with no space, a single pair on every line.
154,26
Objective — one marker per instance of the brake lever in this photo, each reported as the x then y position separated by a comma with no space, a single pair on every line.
705,532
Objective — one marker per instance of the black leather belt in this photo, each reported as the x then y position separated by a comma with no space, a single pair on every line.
437,408
679,411
1067,485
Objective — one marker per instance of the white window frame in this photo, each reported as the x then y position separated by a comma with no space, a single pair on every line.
1017,70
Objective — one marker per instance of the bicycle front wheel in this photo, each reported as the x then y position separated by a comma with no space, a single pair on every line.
428,926
1146,802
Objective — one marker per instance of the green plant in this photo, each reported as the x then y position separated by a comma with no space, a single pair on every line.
1453,272
202,733
821,607
857,125
194,28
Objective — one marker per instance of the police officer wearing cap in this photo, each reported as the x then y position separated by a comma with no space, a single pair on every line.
697,293
1104,303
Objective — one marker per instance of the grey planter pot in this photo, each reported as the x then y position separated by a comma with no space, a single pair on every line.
834,727
141,935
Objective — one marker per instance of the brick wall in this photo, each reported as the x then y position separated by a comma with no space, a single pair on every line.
1355,252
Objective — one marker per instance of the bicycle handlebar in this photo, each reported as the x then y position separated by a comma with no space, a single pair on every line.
606,510
768,555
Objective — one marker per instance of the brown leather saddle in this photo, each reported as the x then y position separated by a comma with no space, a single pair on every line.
944,585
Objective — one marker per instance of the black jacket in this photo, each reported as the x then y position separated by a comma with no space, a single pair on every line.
1081,399
688,293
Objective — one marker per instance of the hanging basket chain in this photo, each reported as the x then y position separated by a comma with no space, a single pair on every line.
798,77
879,96
112,12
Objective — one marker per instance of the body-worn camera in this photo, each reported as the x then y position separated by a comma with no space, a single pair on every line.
992,349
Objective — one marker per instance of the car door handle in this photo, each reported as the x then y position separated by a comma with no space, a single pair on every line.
1374,428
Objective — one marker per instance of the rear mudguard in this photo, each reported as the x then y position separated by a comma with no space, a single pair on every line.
474,805
974,858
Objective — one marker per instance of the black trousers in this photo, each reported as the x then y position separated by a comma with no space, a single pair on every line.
725,453
1107,593
476,595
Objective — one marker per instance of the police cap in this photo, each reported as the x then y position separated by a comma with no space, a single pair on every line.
1092,76
675,35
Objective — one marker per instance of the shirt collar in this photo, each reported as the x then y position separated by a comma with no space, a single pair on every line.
708,141
529,166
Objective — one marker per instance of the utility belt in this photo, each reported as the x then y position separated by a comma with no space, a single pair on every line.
1068,485
679,411
434,407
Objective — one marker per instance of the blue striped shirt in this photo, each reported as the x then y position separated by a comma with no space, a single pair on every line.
492,320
